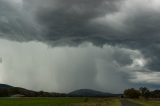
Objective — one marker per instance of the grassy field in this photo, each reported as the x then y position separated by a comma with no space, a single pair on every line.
99,102
59,101
39,101
146,102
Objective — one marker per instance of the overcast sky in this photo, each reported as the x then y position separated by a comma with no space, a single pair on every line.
64,45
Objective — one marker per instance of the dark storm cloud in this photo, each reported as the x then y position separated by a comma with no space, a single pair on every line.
69,21
73,21
132,24
15,24
62,21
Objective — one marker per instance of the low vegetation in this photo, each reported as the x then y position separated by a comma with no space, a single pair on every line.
143,92
143,96
60,101
144,102
99,102
132,93
113,102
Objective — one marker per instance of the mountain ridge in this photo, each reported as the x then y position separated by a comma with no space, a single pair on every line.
7,91
89,93
5,86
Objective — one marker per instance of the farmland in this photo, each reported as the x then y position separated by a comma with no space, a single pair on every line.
59,101
38,101
72,101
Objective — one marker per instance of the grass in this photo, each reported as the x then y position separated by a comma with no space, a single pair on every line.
99,102
146,102
59,101
39,101
113,102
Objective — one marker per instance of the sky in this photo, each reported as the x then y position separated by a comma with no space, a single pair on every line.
64,45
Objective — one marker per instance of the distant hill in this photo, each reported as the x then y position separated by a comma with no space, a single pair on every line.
10,91
5,86
89,93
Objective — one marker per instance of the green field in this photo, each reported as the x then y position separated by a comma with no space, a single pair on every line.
59,101
38,101
146,102
100,102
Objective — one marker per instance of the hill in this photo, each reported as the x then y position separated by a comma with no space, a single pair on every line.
89,93
9,91
5,86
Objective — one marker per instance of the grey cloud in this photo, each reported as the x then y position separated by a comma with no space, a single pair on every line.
73,21
131,24
58,19
70,20
15,24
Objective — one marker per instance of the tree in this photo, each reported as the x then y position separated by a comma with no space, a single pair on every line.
155,94
3,93
132,93
144,92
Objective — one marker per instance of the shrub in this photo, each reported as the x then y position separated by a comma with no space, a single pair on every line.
132,93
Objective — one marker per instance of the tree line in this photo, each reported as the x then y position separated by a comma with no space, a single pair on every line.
141,92
8,92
